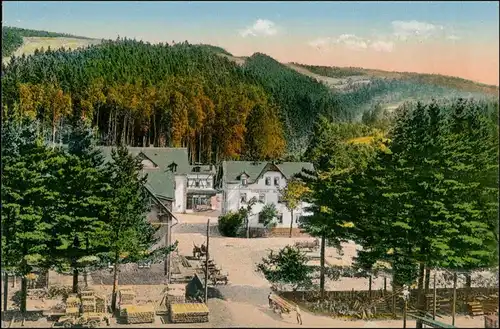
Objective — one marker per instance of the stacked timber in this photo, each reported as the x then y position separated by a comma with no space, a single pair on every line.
176,294
72,302
88,304
127,296
139,314
100,304
490,305
72,311
475,308
189,313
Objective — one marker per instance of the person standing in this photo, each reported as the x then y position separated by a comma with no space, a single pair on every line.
270,299
299,316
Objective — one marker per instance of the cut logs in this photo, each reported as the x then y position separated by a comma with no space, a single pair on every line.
139,314
189,313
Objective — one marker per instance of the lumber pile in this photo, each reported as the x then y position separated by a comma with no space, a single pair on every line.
490,305
72,302
72,311
189,313
88,304
176,294
127,296
100,304
139,314
475,308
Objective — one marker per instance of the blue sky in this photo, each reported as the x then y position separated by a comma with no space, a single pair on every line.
324,33
173,19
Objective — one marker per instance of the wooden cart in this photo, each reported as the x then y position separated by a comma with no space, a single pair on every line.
280,306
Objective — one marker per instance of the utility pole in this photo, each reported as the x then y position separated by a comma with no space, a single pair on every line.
207,257
434,298
454,305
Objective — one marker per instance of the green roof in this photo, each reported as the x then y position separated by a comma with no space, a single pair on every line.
233,169
160,180
162,156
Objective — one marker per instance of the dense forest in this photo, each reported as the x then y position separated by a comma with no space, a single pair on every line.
434,80
184,95
12,37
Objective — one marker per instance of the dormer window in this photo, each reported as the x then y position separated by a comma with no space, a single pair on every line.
268,181
276,181
172,167
244,179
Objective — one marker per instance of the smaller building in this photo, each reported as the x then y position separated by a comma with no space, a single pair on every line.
240,181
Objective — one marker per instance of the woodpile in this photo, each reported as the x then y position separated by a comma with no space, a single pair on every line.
475,308
139,314
88,304
189,313
72,302
127,296
100,304
123,308
176,294
72,311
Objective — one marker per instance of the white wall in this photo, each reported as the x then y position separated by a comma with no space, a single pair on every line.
180,194
234,191
202,177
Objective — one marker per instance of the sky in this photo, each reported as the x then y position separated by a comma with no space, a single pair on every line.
451,38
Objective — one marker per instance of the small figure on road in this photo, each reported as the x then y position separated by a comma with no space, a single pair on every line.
299,317
270,299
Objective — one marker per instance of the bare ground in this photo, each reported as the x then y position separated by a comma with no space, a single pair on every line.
245,297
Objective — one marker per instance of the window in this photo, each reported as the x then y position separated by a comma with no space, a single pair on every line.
197,183
280,218
244,181
276,181
268,181
243,198
280,198
262,197
261,219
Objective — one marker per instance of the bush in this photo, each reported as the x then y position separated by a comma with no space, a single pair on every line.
230,223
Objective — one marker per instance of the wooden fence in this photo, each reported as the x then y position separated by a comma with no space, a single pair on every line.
395,303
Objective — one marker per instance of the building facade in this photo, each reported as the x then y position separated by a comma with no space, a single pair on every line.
240,181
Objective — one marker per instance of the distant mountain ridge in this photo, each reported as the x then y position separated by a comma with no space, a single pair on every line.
242,90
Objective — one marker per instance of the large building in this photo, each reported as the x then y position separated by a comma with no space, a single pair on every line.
240,181
180,186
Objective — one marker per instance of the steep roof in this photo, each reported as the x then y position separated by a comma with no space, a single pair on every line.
162,156
233,169
160,180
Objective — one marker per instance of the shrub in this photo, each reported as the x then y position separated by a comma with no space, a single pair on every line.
230,223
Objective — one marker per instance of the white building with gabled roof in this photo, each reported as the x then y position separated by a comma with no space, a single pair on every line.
240,181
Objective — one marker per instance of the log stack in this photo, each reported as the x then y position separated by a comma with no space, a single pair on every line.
72,311
72,302
88,304
189,313
176,294
100,304
127,296
139,314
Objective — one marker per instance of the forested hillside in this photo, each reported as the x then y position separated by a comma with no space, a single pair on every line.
438,80
189,95
12,37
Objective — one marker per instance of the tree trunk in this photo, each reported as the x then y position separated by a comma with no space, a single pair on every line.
124,130
115,129
370,287
24,294
322,268
109,128
75,279
53,134
5,291
421,275
115,283
426,289
468,284
291,223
